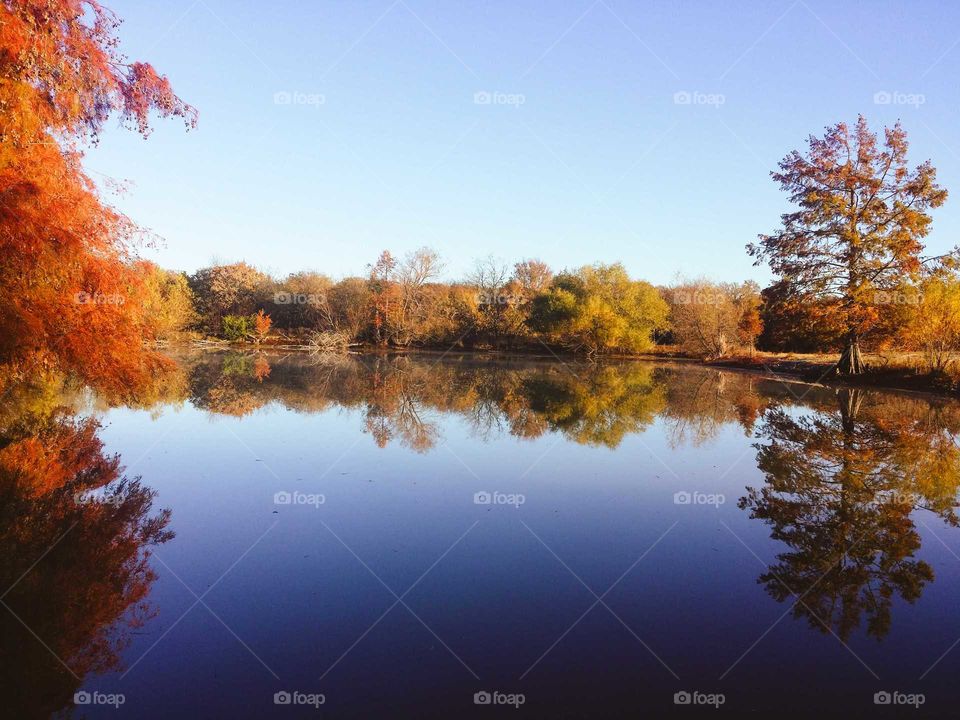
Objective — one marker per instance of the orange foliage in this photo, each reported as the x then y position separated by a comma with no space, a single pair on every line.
261,325
71,296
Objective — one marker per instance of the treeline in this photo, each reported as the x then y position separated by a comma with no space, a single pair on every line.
595,309
402,303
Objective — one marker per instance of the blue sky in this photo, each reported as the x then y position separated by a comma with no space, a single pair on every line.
517,129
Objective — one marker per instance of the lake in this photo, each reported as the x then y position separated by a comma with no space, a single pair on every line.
444,536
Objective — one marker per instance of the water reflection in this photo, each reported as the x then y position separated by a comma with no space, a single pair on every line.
841,486
846,475
845,469
74,559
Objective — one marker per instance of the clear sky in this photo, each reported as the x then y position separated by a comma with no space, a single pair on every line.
549,129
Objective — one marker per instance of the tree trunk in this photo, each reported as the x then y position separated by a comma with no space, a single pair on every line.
851,361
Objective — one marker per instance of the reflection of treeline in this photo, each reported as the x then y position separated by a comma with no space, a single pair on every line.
400,395
74,533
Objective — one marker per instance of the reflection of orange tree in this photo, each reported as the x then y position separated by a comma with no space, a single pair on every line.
73,539
841,486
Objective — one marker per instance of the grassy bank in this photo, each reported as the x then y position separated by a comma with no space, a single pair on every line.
902,371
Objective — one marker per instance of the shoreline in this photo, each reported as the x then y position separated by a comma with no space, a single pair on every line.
793,367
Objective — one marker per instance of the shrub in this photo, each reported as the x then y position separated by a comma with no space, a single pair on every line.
236,327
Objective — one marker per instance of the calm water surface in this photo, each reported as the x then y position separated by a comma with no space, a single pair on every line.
399,534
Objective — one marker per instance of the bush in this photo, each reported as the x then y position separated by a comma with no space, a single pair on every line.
236,327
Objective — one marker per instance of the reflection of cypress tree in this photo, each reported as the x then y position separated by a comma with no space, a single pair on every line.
840,490
91,585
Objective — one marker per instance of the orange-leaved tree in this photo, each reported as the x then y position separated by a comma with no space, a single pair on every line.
261,325
68,287
857,231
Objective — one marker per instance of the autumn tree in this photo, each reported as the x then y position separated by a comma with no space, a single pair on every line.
496,301
61,77
349,306
261,326
531,276
383,295
413,274
934,327
302,301
167,301
797,323
227,290
861,216
710,319
599,309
